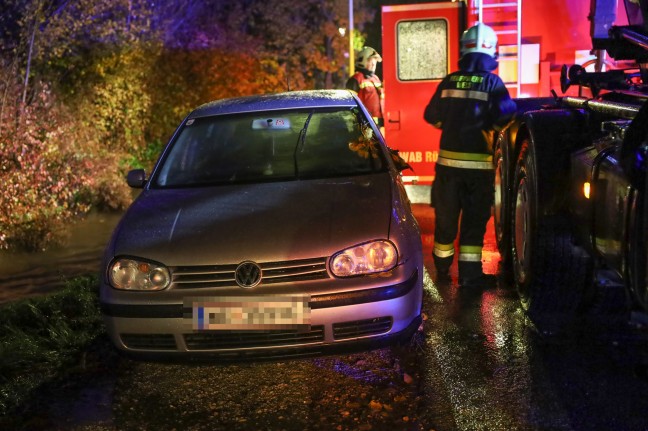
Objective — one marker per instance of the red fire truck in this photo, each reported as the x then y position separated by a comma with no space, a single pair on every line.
421,46
571,171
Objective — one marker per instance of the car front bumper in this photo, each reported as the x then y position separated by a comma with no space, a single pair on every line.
341,321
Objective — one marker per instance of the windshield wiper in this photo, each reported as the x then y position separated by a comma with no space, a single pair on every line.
300,141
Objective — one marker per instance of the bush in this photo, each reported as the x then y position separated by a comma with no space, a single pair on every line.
43,177
43,338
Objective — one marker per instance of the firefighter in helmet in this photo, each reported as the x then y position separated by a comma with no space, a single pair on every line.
366,83
469,106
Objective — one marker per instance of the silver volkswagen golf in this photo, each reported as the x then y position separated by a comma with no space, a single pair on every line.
273,226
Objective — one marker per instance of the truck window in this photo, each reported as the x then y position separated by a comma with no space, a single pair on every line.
422,49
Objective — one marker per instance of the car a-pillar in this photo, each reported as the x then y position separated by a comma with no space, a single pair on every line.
550,271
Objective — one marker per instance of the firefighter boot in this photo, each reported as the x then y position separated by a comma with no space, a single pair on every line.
443,256
482,281
472,276
442,267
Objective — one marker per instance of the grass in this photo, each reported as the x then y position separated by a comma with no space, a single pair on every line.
44,339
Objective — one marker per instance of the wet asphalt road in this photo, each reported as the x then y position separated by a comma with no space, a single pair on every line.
477,364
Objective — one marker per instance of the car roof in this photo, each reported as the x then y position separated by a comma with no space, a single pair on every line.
278,101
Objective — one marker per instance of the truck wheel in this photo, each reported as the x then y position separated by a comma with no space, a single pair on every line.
501,206
550,272
637,253
635,166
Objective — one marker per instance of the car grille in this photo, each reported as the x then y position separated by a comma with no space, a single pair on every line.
208,276
149,341
236,340
359,328
221,340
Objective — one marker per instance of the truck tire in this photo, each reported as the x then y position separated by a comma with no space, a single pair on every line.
501,206
503,159
633,161
637,251
550,272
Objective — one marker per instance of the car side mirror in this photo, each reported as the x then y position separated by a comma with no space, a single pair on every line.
400,163
136,178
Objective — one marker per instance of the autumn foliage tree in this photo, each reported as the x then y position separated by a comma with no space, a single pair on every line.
92,88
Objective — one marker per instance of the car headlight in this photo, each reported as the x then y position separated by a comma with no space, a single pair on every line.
368,258
131,274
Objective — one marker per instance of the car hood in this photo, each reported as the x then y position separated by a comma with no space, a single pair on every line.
259,222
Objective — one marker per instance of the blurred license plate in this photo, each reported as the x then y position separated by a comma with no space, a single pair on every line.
249,312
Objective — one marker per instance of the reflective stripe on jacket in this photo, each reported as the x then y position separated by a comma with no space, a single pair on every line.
469,106
465,160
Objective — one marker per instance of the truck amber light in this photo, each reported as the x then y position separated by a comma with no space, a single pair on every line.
586,190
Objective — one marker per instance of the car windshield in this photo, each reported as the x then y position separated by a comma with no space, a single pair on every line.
270,146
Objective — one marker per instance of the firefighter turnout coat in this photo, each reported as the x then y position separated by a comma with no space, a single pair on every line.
370,91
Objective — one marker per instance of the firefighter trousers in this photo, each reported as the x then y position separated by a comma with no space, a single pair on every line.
462,200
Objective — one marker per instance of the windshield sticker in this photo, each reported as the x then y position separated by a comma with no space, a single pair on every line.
271,124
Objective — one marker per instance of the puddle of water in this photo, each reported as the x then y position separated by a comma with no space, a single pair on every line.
25,274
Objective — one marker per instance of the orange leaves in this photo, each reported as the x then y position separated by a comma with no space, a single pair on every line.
40,177
365,145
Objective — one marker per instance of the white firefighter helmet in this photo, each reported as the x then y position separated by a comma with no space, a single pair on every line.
479,38
364,56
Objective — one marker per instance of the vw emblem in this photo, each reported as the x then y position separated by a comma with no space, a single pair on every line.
247,274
